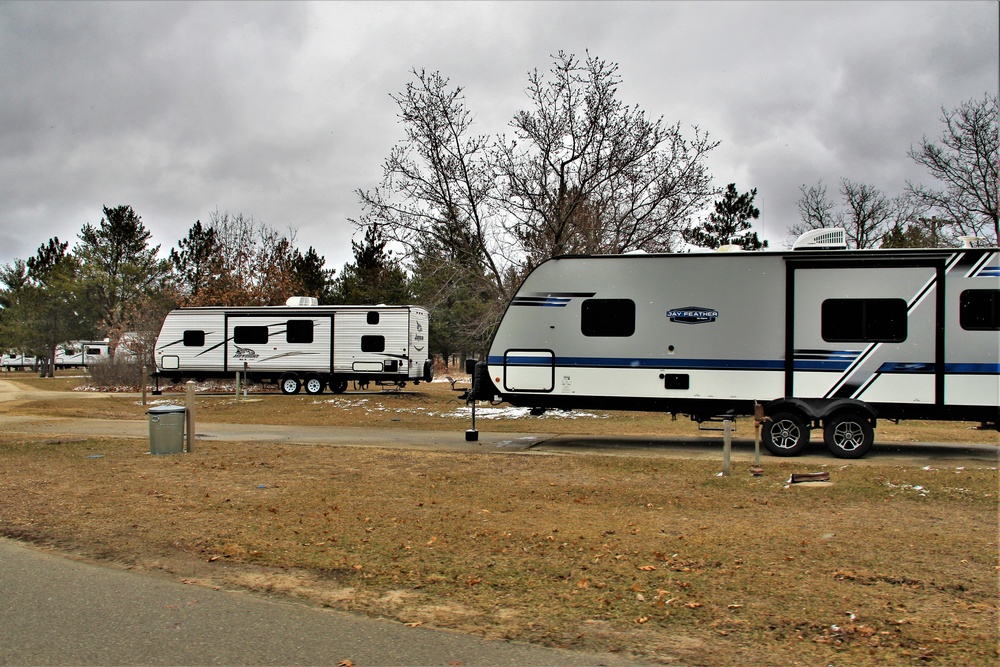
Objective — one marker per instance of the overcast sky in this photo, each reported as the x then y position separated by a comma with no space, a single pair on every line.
281,111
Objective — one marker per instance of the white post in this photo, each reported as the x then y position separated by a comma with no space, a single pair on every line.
189,412
144,380
758,419
727,445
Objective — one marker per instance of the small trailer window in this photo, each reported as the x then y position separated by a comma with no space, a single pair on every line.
299,331
979,309
864,320
373,343
372,317
96,351
608,317
250,335
194,338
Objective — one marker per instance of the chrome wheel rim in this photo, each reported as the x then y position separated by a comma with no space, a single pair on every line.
785,434
848,436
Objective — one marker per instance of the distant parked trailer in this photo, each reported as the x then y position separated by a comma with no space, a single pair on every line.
299,345
15,361
81,353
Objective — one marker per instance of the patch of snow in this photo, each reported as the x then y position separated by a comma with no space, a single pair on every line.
921,491
512,412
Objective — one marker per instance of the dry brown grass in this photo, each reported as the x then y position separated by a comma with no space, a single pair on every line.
656,557
426,406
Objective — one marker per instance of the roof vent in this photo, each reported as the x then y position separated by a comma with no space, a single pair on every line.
834,238
302,301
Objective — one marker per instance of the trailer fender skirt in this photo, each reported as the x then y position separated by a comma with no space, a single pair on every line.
820,409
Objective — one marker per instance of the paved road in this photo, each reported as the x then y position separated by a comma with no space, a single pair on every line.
537,443
916,453
57,611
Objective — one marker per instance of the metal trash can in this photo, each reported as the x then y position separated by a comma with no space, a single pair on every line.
166,429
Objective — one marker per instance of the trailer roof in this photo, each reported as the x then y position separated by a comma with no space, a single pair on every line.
284,308
852,253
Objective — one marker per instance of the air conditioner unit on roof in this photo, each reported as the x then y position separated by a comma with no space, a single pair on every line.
302,301
834,238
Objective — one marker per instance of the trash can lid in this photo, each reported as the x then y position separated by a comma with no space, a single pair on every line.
165,409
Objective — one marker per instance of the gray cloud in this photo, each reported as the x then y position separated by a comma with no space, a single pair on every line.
282,110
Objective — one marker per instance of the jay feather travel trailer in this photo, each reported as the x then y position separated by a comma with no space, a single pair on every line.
824,338
298,345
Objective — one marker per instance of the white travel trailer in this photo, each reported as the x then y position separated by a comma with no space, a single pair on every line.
81,353
14,361
299,345
820,336
72,354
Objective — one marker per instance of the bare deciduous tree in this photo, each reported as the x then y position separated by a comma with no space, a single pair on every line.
584,173
438,187
253,265
965,163
867,213
587,174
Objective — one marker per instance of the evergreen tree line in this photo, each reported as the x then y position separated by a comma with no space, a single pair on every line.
459,219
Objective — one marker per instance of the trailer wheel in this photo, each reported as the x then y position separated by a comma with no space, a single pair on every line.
290,384
787,434
338,386
848,436
314,384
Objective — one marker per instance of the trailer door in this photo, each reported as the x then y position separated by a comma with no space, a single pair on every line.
867,329
529,370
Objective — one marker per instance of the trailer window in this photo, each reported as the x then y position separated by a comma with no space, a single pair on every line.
864,320
372,317
608,317
250,335
979,309
299,331
373,343
96,351
193,338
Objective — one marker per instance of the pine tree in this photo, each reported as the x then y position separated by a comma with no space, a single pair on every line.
374,277
195,261
119,266
729,224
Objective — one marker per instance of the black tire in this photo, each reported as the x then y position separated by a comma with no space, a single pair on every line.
848,436
313,384
338,386
787,434
290,384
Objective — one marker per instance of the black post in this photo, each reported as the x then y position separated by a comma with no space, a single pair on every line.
472,435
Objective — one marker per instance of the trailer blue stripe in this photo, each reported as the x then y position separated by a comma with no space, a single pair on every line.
625,362
898,367
973,369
